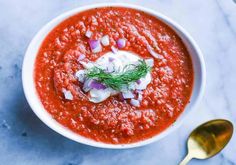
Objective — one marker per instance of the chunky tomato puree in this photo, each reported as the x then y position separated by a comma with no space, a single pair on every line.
113,120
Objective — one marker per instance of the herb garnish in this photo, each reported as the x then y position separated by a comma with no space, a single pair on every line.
117,80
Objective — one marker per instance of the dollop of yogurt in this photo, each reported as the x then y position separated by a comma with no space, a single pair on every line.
115,62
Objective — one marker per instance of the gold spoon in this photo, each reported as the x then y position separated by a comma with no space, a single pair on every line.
208,139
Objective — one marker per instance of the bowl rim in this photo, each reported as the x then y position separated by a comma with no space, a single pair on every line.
35,103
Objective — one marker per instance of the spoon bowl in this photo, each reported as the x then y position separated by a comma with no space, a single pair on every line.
208,139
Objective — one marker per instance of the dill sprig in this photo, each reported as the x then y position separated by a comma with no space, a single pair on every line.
117,80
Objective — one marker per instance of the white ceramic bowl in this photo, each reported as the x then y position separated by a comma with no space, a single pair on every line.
37,107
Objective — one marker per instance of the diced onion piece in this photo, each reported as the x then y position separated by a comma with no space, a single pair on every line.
150,62
127,95
105,40
121,43
135,102
80,75
96,85
95,46
81,57
88,34
68,95
138,81
114,50
153,53
86,85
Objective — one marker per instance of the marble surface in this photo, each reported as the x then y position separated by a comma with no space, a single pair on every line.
25,140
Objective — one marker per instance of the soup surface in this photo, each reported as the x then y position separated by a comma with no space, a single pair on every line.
114,119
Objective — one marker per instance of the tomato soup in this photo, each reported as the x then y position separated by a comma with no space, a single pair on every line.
113,120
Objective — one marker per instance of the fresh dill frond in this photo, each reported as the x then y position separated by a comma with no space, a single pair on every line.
117,80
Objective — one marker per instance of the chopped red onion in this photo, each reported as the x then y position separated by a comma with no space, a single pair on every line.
114,50
150,62
135,102
105,40
121,43
81,57
88,34
95,46
138,81
96,85
86,87
128,95
68,95
80,75
153,53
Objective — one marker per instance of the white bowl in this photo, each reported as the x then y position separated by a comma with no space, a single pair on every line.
37,107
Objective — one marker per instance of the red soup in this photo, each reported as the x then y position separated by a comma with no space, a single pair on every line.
113,120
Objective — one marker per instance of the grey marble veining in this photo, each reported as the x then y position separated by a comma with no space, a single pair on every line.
25,140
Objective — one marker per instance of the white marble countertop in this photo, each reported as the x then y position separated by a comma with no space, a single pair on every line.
25,140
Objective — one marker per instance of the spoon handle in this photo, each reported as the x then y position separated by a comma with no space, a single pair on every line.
187,158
